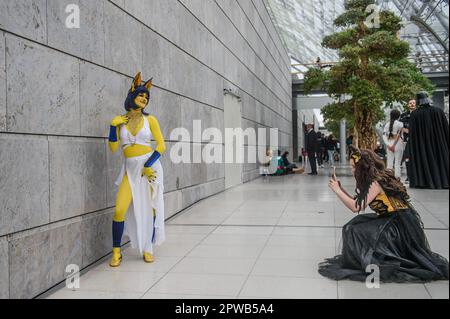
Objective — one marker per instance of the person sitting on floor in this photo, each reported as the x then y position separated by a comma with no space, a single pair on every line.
290,168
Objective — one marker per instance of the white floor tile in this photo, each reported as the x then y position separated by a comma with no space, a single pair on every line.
300,241
182,229
235,239
173,250
181,297
218,285
116,281
211,251
92,294
306,232
179,238
291,252
287,268
359,290
251,221
438,289
161,265
289,288
218,266
251,230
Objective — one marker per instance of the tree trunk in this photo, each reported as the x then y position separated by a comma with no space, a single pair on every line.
366,135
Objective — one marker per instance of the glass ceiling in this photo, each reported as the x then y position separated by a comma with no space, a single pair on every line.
302,25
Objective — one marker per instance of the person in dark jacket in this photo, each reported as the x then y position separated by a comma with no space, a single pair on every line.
311,148
405,118
320,149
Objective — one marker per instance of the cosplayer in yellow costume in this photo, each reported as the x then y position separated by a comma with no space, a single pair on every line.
139,210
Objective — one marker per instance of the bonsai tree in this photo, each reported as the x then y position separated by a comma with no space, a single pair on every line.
372,70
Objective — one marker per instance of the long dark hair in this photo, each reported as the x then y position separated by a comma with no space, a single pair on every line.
395,115
369,168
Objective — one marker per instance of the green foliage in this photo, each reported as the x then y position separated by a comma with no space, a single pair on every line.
390,22
383,45
316,79
373,69
358,4
335,127
334,113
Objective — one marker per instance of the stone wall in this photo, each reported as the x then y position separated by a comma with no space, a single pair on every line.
60,87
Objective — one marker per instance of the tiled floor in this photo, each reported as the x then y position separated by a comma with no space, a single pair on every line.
263,239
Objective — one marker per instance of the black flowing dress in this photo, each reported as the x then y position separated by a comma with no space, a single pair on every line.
393,239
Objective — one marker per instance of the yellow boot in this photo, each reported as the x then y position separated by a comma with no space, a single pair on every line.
116,258
148,258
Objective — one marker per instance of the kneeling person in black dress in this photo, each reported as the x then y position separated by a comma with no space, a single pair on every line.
392,239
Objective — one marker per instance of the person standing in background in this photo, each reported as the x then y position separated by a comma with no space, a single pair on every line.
392,139
320,150
311,148
349,143
331,148
405,118
429,146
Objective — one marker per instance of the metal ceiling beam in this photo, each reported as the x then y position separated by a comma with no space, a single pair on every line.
422,23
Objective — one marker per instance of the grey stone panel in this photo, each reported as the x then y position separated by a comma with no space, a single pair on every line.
239,47
193,111
113,166
24,191
172,203
4,269
161,16
102,97
26,18
43,89
215,171
250,175
123,41
259,62
248,107
193,194
38,259
198,171
156,63
250,126
120,3
94,175
266,20
88,41
213,187
2,83
166,107
176,175
96,236
255,20
66,177
77,176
